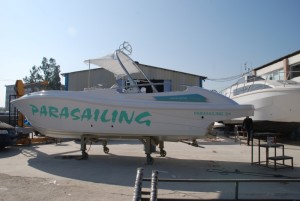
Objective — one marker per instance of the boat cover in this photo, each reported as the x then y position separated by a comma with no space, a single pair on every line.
111,63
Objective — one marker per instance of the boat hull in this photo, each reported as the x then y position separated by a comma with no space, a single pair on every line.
275,104
73,114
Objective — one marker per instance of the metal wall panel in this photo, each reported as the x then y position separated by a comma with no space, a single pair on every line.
178,79
79,80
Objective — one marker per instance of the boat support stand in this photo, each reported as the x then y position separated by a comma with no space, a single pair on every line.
84,154
162,152
149,147
85,139
105,148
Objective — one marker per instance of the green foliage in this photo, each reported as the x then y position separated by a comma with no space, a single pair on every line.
35,76
48,71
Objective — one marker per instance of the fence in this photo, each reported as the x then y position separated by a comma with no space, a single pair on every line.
154,183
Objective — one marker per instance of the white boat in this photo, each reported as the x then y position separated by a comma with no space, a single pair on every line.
127,112
273,100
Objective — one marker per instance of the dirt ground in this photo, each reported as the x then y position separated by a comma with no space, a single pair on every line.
37,189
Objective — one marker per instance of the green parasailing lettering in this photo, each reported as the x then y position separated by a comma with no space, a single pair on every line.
114,116
53,112
103,116
96,114
64,113
43,111
34,109
89,114
74,114
124,116
141,118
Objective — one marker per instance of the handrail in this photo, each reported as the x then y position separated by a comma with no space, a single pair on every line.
154,180
223,180
248,88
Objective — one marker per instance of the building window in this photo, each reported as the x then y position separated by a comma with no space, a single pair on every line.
274,75
295,71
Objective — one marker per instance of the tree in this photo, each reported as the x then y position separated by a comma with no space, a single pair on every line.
48,71
35,76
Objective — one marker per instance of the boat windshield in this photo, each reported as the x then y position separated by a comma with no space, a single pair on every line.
249,78
246,84
249,88
288,82
251,83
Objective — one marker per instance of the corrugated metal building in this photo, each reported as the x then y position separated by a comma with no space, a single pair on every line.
165,80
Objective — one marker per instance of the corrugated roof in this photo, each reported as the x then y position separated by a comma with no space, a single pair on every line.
202,77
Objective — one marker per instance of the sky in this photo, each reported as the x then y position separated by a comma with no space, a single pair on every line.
211,38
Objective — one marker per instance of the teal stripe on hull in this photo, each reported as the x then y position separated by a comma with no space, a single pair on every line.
182,98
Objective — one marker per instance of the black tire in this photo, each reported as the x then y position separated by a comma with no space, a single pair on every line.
106,150
163,153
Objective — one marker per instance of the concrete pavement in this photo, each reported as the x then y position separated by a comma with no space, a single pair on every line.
50,171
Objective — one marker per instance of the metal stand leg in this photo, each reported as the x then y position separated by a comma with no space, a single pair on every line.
195,143
148,151
83,148
252,149
162,152
105,148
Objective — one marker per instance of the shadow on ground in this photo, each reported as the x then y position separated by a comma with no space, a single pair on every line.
121,170
9,152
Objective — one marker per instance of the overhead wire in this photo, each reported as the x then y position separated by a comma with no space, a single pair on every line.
226,79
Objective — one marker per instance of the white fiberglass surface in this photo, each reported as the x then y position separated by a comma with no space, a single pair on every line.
111,64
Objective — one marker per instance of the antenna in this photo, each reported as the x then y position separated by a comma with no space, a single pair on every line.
89,74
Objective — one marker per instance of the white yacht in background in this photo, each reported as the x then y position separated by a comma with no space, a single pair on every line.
273,100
